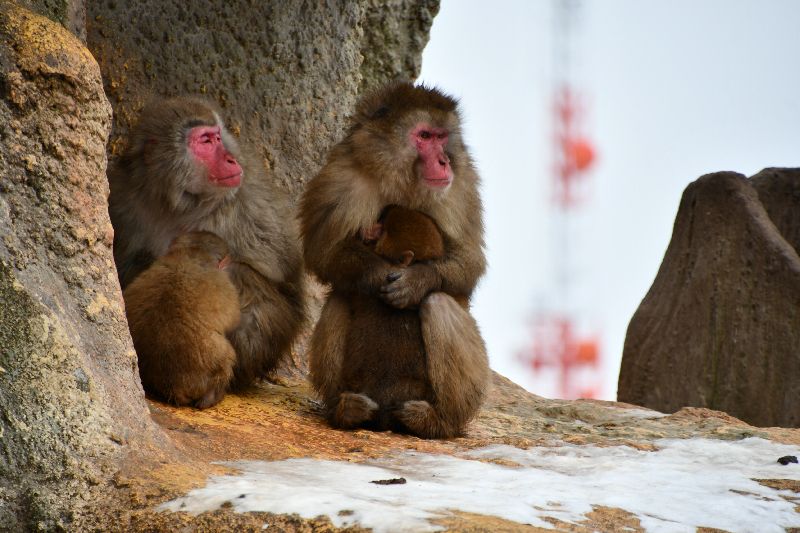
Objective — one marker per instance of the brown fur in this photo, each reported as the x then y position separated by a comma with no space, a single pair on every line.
406,359
149,206
179,312
407,236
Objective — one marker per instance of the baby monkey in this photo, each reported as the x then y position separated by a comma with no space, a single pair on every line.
179,312
404,236
385,354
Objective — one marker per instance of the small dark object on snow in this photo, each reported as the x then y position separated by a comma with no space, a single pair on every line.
786,459
395,481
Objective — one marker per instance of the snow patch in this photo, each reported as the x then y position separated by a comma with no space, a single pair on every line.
686,484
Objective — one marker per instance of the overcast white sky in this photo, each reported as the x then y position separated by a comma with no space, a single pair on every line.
678,89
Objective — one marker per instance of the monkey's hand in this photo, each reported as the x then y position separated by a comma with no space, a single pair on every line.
409,286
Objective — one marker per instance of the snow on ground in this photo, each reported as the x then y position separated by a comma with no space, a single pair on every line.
688,483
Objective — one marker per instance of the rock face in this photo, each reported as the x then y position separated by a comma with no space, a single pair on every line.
69,13
395,33
69,388
720,327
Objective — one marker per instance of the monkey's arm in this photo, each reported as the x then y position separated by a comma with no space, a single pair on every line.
271,316
351,266
455,274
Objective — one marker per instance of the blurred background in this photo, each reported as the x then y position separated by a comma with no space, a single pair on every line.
587,120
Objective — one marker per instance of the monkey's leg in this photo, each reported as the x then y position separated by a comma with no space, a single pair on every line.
352,410
271,317
457,366
326,351
218,383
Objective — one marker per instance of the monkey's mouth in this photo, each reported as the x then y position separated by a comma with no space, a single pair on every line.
230,181
438,183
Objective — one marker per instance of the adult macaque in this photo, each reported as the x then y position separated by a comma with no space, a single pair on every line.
181,171
179,311
403,148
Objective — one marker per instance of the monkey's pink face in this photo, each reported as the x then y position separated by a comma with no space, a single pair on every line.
205,144
430,143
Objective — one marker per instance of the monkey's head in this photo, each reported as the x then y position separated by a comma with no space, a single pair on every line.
180,151
203,248
413,135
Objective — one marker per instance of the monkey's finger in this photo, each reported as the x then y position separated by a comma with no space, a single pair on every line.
399,298
394,276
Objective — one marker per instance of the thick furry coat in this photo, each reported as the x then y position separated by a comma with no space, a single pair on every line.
375,166
149,206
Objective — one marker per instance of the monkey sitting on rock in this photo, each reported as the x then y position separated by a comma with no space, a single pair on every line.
179,312
423,371
181,171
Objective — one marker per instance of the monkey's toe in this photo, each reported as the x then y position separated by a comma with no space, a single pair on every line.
352,410
422,420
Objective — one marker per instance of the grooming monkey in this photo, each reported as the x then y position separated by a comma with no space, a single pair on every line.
404,148
181,171
179,311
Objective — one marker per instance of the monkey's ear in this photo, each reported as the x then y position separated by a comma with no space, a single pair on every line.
407,256
225,263
148,149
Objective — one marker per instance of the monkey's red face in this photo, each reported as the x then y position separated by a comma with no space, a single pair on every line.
205,144
435,165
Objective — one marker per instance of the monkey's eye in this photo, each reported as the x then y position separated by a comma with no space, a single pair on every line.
425,135
441,136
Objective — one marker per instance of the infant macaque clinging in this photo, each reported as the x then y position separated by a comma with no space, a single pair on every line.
179,312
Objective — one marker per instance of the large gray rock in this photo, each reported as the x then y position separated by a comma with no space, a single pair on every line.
70,399
720,327
395,33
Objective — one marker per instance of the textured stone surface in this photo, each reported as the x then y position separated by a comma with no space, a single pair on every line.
395,33
69,13
70,399
779,192
720,327
285,73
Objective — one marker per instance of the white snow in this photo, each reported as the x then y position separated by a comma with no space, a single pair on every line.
688,483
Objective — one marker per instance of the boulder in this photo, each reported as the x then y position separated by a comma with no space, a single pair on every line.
720,326
70,398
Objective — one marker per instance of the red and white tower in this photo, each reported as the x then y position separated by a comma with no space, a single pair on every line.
560,348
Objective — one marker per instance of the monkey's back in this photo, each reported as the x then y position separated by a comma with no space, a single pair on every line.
409,230
179,314
385,357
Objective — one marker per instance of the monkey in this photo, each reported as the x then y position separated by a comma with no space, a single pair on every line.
181,171
179,311
406,235
403,147
402,236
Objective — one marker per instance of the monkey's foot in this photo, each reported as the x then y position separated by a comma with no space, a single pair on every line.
352,410
422,420
210,398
